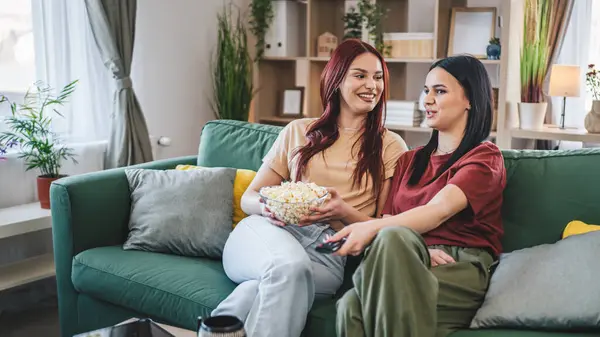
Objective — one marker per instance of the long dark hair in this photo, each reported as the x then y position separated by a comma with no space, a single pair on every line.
324,132
474,79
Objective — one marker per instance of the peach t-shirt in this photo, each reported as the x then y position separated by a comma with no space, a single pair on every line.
339,164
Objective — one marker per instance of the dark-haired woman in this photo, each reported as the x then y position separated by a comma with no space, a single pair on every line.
277,269
427,266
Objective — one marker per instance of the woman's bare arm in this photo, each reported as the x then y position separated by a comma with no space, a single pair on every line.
446,203
265,176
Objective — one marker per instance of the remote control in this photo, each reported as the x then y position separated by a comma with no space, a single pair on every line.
330,247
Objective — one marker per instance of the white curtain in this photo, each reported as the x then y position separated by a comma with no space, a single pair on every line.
65,51
575,50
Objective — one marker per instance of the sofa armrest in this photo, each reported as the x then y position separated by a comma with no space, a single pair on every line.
91,210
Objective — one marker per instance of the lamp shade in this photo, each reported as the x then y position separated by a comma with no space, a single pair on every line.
565,80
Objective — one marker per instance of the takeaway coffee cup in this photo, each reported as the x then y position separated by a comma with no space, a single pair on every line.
221,326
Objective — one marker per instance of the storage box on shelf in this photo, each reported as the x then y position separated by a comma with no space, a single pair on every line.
410,45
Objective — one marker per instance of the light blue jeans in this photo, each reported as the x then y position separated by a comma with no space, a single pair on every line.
279,274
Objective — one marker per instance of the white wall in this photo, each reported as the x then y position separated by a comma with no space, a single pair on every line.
171,68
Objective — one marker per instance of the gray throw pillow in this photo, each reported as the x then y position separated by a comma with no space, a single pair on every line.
550,286
187,213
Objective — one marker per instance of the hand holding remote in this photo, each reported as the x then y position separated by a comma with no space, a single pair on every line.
330,247
356,237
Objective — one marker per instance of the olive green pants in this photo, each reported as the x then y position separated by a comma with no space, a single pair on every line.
397,293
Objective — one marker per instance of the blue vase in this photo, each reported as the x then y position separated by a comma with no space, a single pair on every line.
493,51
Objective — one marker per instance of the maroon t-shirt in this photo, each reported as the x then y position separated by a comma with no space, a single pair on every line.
480,174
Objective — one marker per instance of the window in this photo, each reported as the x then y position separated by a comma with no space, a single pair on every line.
17,57
51,41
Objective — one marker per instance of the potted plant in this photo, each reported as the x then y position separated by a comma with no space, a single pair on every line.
370,15
261,17
232,69
592,80
30,131
352,24
493,49
534,64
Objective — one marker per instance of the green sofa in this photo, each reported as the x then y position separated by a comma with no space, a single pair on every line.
99,284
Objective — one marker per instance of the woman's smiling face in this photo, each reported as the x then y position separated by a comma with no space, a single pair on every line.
363,85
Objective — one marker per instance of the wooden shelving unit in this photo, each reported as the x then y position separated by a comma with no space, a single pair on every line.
551,132
277,73
19,220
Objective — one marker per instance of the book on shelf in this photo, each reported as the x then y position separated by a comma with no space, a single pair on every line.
403,113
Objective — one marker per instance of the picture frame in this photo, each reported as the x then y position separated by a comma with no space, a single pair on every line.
291,103
479,23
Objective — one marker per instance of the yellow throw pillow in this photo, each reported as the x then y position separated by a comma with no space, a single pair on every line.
243,178
579,227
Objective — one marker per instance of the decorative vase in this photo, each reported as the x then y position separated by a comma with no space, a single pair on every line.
43,189
493,51
592,119
532,115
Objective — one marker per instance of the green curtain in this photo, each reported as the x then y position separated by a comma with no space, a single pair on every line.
113,28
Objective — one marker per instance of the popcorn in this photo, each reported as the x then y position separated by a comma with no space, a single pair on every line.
290,201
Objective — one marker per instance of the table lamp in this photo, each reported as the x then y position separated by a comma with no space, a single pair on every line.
565,82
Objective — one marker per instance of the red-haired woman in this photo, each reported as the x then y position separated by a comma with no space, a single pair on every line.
347,149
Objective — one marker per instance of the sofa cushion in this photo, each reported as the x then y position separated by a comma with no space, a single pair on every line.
243,178
577,227
545,190
550,286
167,287
245,144
183,213
159,285
518,333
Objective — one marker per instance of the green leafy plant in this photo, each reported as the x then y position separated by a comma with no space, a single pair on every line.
372,15
232,68
261,17
352,24
535,52
495,40
375,14
592,79
30,129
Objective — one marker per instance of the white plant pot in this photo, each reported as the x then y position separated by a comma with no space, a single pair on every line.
532,115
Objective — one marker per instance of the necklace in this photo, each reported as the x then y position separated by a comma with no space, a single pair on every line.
445,152
350,129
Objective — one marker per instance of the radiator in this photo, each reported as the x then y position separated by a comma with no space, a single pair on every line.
18,187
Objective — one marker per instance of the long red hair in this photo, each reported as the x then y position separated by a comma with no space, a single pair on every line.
324,132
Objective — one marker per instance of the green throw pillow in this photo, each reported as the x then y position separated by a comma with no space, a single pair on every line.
549,286
185,213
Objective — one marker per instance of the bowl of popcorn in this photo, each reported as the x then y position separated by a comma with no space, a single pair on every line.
291,201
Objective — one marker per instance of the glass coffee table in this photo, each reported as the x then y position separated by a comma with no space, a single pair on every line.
177,332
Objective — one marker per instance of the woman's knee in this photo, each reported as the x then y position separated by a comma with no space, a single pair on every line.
394,236
297,267
348,302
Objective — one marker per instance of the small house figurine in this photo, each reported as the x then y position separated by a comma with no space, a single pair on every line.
326,43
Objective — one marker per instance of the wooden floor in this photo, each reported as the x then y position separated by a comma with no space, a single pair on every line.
34,322
34,319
